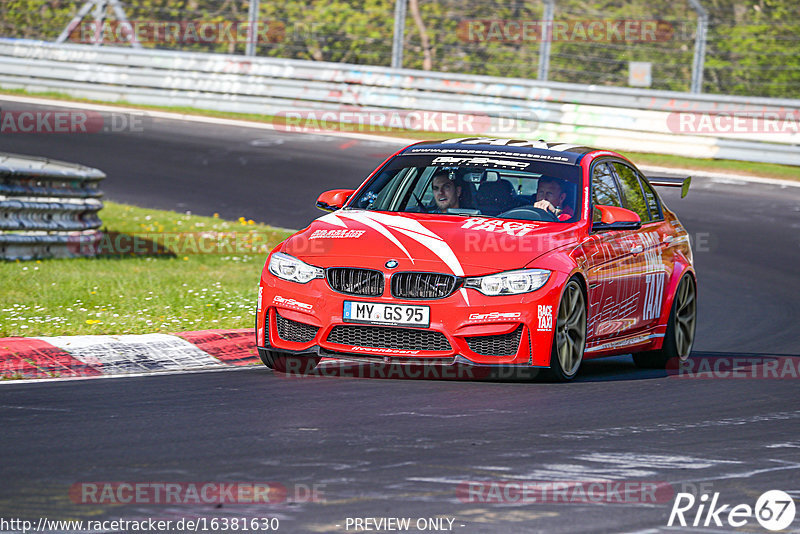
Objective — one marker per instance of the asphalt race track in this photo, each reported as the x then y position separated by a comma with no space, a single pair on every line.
374,447
263,175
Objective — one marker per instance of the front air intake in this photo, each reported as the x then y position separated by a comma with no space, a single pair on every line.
294,331
498,345
381,337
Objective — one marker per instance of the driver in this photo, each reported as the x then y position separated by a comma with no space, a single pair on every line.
550,196
446,192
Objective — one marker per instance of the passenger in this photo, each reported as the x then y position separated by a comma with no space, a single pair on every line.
550,196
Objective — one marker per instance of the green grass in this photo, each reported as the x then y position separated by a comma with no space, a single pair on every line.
176,290
766,170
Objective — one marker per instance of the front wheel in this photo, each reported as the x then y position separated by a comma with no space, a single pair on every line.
679,338
287,363
569,339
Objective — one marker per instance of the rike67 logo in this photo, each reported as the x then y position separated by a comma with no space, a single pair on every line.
774,510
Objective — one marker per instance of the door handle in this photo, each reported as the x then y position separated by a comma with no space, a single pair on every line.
637,249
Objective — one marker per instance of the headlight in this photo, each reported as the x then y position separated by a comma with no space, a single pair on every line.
509,282
290,268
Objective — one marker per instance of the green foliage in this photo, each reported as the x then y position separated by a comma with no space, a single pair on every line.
356,31
753,47
34,19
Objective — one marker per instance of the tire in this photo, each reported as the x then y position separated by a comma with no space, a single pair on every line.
679,337
569,337
287,363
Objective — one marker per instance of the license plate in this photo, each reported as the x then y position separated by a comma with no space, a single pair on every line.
391,314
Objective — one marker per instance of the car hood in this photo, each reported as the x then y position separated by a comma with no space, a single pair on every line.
426,242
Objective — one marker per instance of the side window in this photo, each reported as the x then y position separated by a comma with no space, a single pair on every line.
604,189
632,191
651,199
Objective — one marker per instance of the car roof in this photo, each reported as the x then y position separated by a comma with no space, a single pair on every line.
541,150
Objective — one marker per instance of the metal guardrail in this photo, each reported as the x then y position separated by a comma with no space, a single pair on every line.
616,118
48,208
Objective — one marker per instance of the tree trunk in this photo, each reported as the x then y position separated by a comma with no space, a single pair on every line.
427,56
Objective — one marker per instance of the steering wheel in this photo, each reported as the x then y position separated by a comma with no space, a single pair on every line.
529,213
422,207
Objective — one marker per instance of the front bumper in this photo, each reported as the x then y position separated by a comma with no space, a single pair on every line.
466,327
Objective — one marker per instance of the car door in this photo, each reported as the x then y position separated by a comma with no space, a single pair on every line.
647,245
613,284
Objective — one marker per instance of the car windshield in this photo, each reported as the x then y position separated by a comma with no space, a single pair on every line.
502,185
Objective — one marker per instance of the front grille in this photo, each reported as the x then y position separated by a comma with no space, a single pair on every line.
289,330
423,285
381,337
366,282
500,345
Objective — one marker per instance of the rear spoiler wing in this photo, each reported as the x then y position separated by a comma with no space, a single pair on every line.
683,183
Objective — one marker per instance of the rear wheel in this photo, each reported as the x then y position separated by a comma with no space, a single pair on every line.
679,338
288,363
569,339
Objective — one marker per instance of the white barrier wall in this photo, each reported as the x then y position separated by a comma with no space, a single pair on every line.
609,117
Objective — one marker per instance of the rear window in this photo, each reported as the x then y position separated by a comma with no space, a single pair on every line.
651,199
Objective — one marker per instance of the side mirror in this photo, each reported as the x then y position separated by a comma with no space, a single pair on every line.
334,199
616,218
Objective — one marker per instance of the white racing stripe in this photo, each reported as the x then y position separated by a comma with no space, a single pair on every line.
410,228
333,219
134,353
384,223
378,227
563,147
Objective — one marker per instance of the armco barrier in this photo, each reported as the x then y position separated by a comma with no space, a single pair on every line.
612,117
47,208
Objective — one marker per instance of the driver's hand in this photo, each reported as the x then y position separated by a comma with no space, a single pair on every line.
545,205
